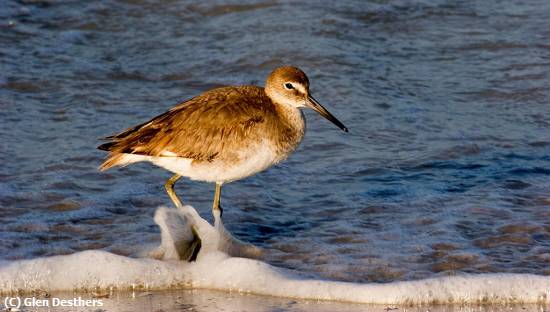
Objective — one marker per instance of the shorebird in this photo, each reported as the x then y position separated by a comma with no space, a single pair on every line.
222,135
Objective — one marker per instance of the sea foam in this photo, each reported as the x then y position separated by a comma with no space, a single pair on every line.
225,263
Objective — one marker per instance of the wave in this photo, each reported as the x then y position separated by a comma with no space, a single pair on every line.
221,265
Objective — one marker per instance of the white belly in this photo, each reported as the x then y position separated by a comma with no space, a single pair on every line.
251,161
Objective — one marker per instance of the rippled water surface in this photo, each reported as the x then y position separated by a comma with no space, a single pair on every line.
446,167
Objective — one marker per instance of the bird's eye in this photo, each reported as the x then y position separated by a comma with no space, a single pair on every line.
289,86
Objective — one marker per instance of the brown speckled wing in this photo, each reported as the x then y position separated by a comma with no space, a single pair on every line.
214,124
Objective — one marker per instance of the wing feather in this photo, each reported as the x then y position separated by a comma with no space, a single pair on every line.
202,128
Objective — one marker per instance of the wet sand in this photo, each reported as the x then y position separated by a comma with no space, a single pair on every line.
208,300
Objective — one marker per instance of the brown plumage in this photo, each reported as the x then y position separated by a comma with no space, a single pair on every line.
212,125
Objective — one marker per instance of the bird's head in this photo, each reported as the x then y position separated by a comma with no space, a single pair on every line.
290,86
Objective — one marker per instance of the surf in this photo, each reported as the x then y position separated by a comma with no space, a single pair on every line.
227,264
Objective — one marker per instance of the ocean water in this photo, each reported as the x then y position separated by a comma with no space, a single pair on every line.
445,170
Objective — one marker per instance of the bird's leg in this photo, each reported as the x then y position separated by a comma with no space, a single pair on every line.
217,210
169,186
195,246
227,243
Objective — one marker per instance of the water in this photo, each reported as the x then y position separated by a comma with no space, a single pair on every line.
445,169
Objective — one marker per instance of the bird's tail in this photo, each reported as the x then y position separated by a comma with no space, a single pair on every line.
114,159
121,159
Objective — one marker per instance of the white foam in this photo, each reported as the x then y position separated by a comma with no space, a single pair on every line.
218,267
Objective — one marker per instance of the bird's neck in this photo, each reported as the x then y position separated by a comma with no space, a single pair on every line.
292,116
291,127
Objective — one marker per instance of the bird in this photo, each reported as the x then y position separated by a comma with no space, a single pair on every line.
222,135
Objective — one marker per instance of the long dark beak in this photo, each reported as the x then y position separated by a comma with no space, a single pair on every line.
313,104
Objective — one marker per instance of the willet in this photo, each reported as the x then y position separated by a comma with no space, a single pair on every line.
222,135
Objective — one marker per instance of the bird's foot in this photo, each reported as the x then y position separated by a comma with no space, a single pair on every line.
217,212
230,244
